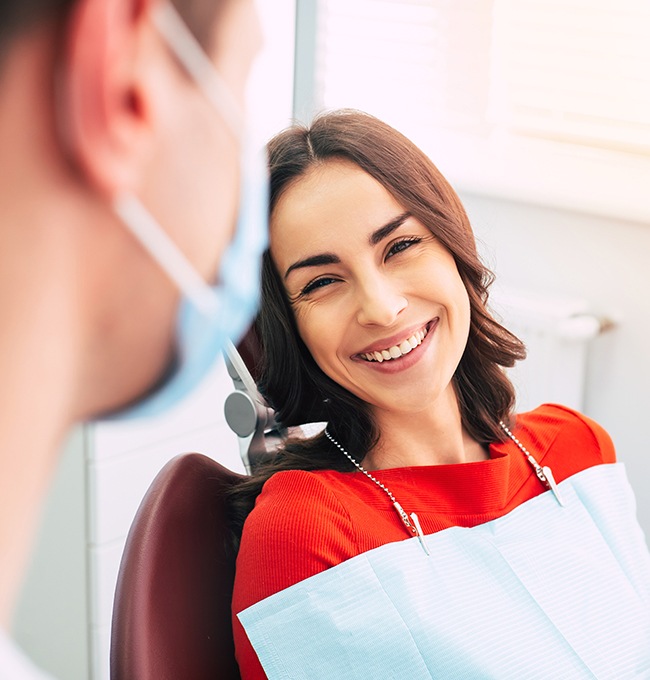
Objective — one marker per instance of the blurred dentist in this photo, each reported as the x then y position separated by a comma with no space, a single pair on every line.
133,215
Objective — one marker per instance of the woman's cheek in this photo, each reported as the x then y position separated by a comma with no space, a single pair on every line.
318,332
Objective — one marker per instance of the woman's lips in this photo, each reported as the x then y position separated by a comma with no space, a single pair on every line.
399,349
405,359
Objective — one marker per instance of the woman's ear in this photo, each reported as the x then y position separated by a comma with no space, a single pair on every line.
103,98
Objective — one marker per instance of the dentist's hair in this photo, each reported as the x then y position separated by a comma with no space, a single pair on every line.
291,380
17,16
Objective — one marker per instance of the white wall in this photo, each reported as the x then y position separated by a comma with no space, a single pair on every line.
51,618
605,262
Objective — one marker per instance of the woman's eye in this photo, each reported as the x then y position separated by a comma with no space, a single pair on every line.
402,245
315,285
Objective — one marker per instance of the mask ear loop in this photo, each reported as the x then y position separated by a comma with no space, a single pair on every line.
195,61
161,247
144,227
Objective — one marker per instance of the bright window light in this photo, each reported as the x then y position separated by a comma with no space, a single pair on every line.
538,100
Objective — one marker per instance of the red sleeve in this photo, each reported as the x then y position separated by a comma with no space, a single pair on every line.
298,528
603,440
572,442
582,432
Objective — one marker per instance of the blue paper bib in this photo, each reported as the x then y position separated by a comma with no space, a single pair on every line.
543,592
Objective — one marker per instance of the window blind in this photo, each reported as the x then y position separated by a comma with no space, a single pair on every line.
485,84
574,70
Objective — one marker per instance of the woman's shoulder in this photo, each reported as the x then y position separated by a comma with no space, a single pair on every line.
299,507
297,528
303,487
562,429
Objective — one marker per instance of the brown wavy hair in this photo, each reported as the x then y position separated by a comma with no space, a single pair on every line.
290,379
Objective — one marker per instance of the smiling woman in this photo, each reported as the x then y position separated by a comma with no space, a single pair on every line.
374,320
363,276
377,180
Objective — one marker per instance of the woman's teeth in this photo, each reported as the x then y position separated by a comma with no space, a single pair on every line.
396,351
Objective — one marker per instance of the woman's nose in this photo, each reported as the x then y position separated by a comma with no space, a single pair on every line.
380,302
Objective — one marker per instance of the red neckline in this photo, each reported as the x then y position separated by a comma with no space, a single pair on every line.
479,487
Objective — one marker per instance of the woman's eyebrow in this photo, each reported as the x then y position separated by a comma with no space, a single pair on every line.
313,261
329,258
385,231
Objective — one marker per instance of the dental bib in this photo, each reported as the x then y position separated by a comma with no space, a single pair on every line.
546,591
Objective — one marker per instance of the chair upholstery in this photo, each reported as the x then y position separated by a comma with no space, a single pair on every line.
171,616
250,350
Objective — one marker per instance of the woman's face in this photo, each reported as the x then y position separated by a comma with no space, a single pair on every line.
378,300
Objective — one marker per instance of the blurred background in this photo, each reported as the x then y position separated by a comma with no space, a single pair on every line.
538,112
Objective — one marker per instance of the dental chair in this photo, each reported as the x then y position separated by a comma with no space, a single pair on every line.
171,614
246,411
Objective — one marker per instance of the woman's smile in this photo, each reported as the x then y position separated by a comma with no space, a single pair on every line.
391,356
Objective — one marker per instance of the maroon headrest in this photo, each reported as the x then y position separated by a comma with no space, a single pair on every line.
250,350
171,617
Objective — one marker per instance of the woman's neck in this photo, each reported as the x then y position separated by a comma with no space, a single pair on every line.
432,436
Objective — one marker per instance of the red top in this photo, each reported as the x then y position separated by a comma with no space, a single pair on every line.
305,522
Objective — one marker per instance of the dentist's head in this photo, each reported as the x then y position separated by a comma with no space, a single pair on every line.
139,148
208,315
132,216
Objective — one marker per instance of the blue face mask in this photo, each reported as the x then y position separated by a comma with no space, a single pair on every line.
209,317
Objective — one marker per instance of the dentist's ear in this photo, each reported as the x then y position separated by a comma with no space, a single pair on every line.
103,93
